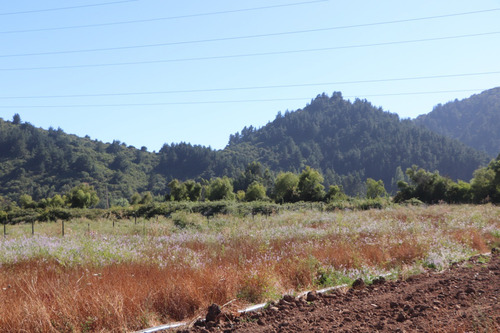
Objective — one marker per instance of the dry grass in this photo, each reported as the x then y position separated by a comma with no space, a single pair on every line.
176,278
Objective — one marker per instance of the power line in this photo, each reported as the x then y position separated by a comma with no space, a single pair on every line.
251,54
224,101
127,47
66,8
163,18
256,87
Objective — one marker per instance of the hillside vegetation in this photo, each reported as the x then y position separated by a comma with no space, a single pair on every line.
347,142
474,121
351,141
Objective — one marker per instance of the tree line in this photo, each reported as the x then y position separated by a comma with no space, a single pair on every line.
253,192
431,187
347,142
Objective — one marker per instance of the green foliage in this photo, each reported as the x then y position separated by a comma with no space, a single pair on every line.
375,189
485,185
26,201
474,121
187,191
240,195
255,192
3,216
335,194
16,120
135,199
349,142
177,191
286,187
82,196
146,198
220,189
430,187
193,190
311,185
183,219
346,142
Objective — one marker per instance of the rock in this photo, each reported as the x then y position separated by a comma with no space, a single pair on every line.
199,322
311,296
213,312
393,305
401,317
379,280
470,290
289,298
358,284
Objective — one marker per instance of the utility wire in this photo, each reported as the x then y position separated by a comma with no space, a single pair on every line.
255,87
127,47
162,18
222,101
251,54
66,8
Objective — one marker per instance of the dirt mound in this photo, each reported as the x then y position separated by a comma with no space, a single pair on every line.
462,299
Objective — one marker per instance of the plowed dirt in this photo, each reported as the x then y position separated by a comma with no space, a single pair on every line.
464,298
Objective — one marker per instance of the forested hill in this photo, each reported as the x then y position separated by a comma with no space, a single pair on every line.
346,141
350,141
42,163
474,121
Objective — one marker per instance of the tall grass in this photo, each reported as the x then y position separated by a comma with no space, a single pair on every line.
135,275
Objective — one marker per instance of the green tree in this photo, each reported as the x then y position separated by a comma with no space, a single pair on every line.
193,190
220,189
375,189
310,185
428,187
460,192
146,198
26,201
286,187
56,201
82,196
135,199
178,191
16,120
481,184
335,193
240,195
255,192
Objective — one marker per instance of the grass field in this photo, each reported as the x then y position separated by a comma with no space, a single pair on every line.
136,274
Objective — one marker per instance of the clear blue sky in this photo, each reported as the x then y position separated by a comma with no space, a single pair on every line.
210,49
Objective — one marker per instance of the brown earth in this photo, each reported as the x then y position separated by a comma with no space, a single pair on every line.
464,298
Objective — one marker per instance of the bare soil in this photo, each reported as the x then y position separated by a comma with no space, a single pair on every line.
463,298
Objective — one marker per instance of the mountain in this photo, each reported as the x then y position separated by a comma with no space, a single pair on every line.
42,163
350,141
346,141
474,121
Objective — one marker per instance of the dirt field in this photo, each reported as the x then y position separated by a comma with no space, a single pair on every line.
465,298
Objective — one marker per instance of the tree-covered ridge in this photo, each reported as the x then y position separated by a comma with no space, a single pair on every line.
347,142
474,121
41,163
352,141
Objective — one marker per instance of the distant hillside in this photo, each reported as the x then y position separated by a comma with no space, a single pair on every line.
346,141
42,163
350,141
474,121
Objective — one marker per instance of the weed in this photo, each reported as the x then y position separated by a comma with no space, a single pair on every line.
137,274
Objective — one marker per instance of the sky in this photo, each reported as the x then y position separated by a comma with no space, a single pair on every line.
150,72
